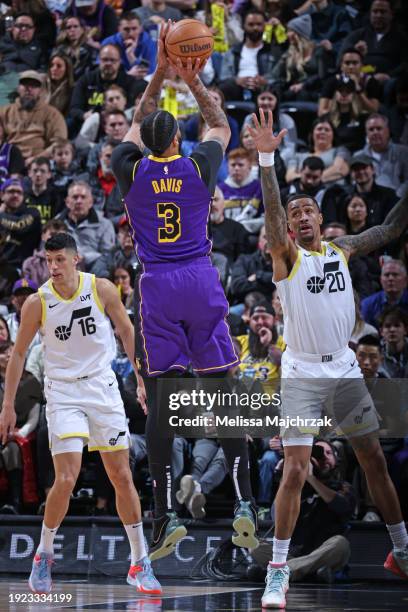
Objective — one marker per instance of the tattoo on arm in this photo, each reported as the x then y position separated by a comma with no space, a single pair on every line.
213,114
275,218
150,98
394,224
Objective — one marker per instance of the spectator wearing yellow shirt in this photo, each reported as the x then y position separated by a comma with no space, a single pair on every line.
261,348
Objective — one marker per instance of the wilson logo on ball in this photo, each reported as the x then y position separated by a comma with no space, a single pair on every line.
194,48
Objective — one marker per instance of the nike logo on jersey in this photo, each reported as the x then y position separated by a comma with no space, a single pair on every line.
308,255
53,305
352,364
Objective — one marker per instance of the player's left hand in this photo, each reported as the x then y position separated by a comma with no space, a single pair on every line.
162,58
189,71
262,133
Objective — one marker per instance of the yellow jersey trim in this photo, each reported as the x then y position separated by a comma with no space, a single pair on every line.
196,165
108,448
43,307
296,265
135,168
316,253
73,297
74,434
340,252
225,365
95,294
163,160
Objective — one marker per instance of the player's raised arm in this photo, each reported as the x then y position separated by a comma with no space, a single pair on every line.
282,249
149,101
376,237
29,325
213,114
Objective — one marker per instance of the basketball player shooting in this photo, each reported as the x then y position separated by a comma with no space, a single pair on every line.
181,308
74,311
315,290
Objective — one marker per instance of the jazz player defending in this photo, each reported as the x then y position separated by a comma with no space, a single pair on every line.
73,311
315,289
180,315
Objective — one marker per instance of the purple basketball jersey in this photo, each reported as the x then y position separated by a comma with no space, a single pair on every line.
168,206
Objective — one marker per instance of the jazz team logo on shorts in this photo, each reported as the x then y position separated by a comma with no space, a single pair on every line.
86,323
331,274
113,441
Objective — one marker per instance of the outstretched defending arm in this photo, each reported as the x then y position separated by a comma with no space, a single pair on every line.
212,113
149,101
376,237
281,247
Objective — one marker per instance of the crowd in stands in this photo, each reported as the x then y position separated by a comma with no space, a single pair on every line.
335,74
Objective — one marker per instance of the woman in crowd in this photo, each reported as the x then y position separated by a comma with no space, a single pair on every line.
267,100
300,70
72,42
60,82
121,277
356,211
4,330
335,158
346,114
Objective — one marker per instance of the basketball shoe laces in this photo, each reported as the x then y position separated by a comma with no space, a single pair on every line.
274,580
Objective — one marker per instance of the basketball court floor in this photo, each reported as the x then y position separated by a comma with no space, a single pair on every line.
189,596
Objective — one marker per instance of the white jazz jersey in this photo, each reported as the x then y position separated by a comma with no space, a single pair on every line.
78,336
318,302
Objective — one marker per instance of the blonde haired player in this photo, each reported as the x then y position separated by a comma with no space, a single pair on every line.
73,311
314,286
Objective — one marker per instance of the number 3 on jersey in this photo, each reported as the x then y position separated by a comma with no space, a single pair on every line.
170,212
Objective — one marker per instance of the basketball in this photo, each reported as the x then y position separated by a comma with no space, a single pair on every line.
189,38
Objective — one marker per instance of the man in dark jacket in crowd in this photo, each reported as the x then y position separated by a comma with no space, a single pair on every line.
88,94
19,49
20,225
253,272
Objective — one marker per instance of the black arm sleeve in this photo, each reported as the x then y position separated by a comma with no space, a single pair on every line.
124,157
208,157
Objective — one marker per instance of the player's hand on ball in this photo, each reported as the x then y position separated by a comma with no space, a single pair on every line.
262,133
7,422
189,71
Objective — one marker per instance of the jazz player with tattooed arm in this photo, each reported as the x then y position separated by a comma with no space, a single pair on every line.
73,311
181,306
315,290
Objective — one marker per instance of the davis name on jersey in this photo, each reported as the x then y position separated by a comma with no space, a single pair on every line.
318,302
78,336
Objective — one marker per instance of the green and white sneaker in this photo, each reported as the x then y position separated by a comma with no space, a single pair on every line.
245,525
167,531
277,585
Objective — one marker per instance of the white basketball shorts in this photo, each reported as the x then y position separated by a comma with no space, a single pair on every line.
86,411
312,388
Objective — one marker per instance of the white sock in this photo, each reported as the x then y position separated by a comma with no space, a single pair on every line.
136,541
398,535
47,539
197,487
280,549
